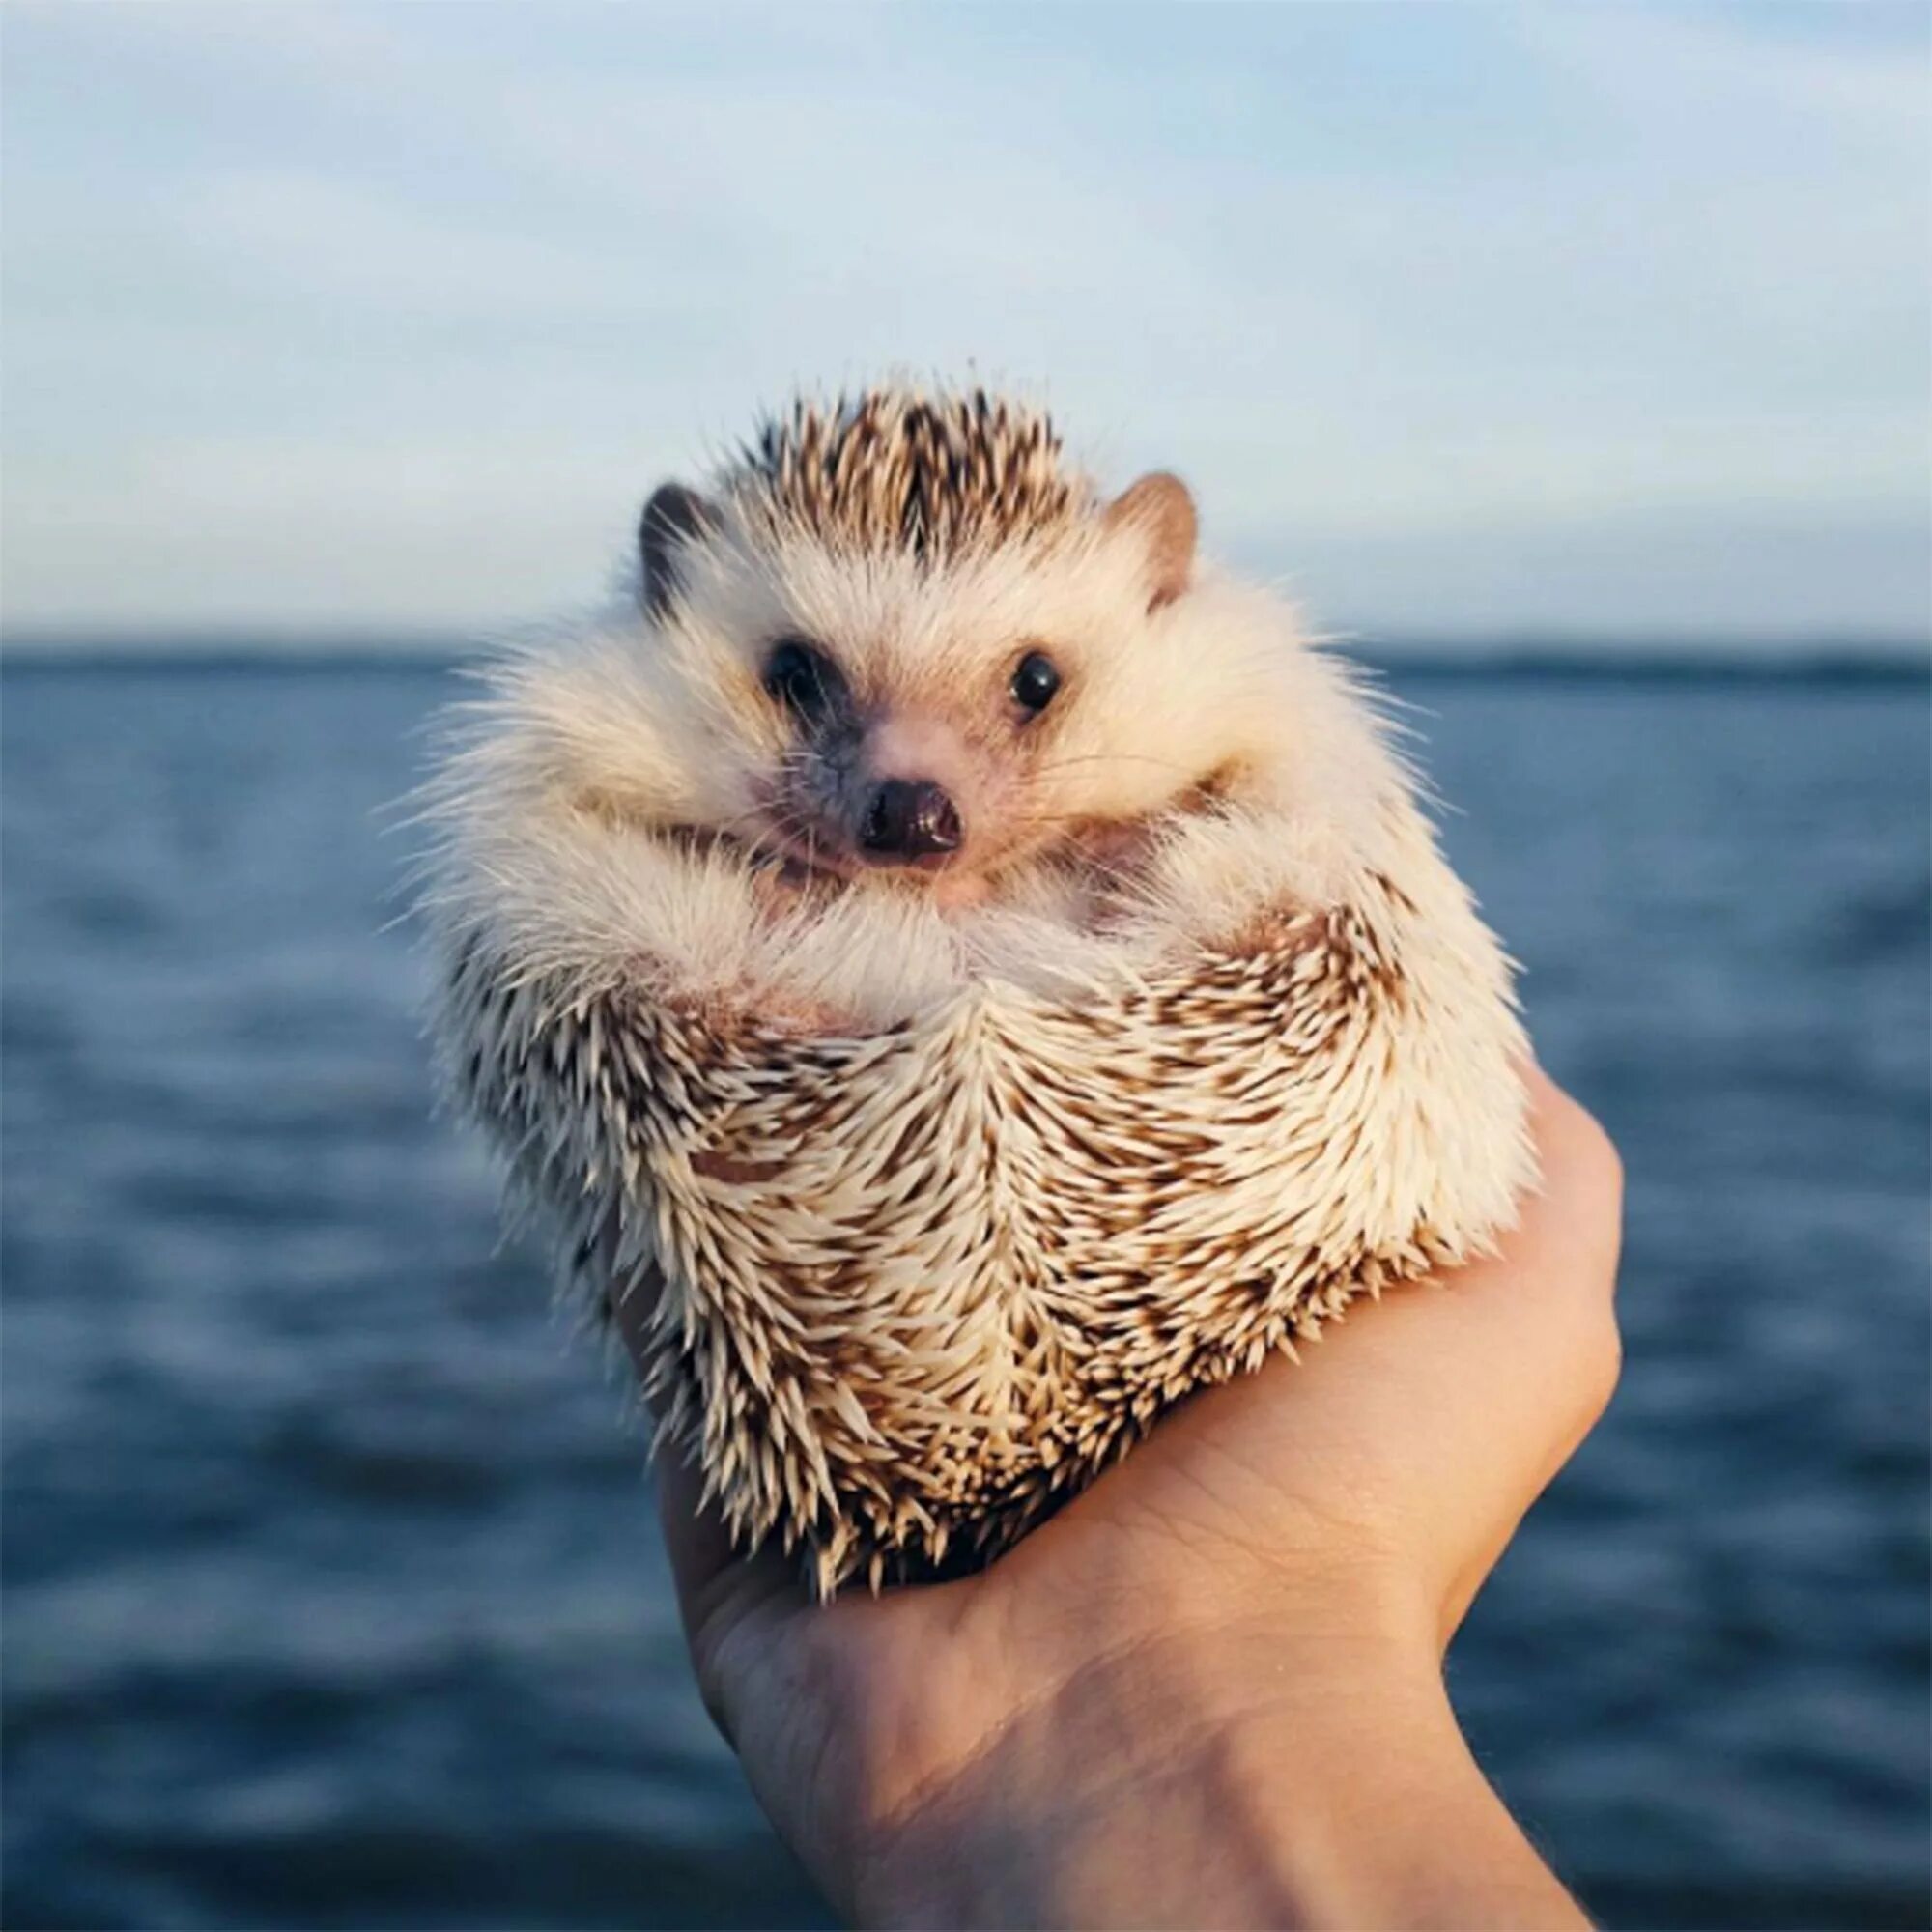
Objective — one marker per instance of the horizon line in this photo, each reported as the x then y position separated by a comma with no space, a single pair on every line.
1527,647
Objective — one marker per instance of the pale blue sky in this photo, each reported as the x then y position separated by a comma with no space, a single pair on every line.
1607,320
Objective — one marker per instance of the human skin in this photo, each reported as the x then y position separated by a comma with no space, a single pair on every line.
1209,1692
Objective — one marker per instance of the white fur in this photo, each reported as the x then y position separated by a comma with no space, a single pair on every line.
585,744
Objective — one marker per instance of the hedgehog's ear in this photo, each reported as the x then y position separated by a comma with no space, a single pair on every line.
1161,513
674,517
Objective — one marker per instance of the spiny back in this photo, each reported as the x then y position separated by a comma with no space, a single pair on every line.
895,469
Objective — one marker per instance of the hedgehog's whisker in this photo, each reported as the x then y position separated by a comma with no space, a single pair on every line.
1107,758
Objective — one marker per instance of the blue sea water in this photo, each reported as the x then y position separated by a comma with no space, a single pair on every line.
332,1594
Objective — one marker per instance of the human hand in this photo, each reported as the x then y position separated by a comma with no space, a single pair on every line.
1209,1690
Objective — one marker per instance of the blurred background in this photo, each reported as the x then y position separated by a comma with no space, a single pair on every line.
1573,360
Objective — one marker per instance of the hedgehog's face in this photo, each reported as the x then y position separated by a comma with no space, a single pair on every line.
887,772
898,723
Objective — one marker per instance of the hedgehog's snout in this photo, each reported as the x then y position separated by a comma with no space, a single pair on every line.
906,821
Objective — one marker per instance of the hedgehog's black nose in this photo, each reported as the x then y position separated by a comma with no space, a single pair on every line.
907,819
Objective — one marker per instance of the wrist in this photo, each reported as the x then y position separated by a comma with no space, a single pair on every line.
1217,1770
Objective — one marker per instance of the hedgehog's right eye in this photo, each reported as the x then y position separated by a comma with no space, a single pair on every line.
804,679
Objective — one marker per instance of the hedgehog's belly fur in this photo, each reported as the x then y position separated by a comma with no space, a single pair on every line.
906,1292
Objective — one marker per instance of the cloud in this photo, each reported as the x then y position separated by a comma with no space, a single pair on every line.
439,304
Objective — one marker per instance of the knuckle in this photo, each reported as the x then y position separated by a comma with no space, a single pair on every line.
1593,1153
1607,1162
710,1667
1594,1185
1603,1361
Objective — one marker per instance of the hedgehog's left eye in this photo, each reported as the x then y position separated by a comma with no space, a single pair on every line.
804,679
1035,678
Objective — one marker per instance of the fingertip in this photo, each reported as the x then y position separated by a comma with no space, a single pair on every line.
1582,1172
695,1540
717,1583
1562,1123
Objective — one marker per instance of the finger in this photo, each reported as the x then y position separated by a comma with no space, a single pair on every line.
1581,1188
1544,1298
721,1590
1506,1364
695,1538
734,1607
1548,1296
1476,1385
703,1558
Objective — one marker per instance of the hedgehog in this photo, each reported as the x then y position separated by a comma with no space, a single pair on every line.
956,972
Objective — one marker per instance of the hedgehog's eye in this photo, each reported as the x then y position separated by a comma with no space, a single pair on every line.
1035,678
804,679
